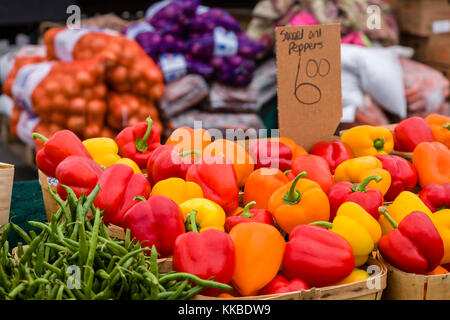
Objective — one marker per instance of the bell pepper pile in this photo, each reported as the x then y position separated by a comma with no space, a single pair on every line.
315,223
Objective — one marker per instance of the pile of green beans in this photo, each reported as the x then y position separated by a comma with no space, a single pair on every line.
74,257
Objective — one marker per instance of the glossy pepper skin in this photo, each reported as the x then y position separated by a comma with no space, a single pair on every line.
440,126
414,245
237,155
441,220
187,139
280,284
249,215
410,132
119,186
333,152
207,254
79,173
295,148
301,201
432,162
177,189
405,203
62,144
167,162
436,196
103,150
271,154
368,140
358,227
208,214
317,256
403,175
355,276
358,169
368,198
216,176
315,167
157,221
261,184
138,142
259,251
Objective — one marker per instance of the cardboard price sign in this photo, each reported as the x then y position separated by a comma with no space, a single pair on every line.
309,82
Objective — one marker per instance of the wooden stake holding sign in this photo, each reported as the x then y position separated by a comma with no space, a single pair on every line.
309,82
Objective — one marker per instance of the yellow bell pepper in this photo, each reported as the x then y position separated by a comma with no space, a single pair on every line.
177,189
405,203
208,214
128,162
355,276
368,140
358,227
441,220
357,169
103,150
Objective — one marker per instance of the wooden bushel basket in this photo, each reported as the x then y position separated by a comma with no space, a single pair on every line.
410,286
369,289
6,184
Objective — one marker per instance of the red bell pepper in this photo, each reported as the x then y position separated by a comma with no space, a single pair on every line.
280,284
207,254
403,174
157,221
317,169
168,162
414,245
410,132
436,196
249,215
79,173
317,256
271,154
62,144
217,178
368,198
119,185
333,152
138,142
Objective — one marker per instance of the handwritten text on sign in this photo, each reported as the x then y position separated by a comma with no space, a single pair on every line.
309,88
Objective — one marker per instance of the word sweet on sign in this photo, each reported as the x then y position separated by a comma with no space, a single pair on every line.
309,82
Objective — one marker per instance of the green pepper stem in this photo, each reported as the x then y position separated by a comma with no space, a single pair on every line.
379,144
287,171
293,196
325,224
141,144
446,125
189,152
40,136
245,212
192,219
362,186
140,198
384,211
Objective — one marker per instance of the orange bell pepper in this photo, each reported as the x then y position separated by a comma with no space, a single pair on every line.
301,201
295,148
432,161
242,162
440,126
259,250
261,184
189,139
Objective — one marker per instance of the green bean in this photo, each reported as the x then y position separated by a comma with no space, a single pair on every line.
179,290
32,247
194,279
90,199
17,290
88,272
62,204
192,292
5,234
59,295
21,233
